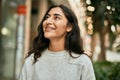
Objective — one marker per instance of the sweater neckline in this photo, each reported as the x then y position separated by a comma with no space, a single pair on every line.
55,53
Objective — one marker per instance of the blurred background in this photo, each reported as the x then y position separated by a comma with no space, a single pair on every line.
99,22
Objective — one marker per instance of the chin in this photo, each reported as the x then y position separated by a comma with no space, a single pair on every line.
47,36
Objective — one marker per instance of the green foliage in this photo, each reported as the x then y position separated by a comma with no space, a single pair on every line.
115,72
107,70
118,48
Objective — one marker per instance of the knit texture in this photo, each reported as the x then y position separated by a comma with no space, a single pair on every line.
58,66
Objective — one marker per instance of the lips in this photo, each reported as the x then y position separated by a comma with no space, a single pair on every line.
48,29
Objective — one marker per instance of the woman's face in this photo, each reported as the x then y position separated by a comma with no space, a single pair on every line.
55,24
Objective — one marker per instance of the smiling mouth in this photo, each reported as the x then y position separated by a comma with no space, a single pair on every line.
48,29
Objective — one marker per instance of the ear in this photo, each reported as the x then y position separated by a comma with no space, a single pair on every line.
69,28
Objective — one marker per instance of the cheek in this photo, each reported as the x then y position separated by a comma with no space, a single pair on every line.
62,29
44,24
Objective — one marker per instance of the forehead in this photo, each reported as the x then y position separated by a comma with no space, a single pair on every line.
56,10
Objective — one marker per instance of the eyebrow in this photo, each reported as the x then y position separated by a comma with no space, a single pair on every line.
56,14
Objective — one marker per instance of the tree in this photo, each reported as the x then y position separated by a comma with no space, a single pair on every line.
106,14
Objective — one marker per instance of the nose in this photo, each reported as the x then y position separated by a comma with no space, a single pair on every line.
49,20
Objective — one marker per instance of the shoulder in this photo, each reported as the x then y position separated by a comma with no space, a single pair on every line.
83,59
85,65
29,60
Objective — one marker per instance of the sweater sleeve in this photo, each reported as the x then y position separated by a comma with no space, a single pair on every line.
27,69
23,74
87,70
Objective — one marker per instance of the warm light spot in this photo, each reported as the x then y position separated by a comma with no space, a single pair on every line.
91,8
89,19
90,26
88,2
4,31
113,28
113,9
108,7
106,23
90,31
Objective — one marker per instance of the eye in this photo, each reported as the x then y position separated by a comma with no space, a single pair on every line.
47,16
57,18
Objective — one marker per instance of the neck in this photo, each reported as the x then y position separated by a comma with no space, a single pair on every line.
57,45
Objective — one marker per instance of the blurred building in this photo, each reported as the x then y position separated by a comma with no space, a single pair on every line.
18,24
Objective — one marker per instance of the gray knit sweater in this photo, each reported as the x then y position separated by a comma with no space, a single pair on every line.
58,66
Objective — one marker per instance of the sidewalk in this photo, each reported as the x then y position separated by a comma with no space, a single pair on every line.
112,56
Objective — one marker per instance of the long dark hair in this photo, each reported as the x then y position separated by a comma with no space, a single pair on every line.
73,41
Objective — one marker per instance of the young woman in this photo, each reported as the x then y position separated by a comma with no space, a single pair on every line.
57,52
